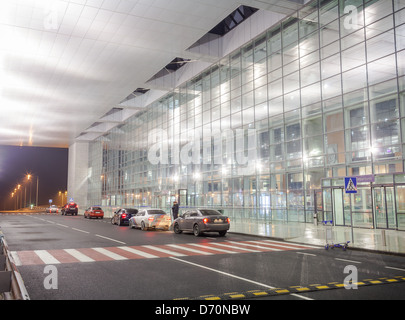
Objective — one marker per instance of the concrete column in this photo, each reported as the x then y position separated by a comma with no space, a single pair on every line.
78,173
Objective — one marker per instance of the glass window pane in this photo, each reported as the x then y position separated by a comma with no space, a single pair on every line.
376,10
332,87
291,82
328,12
384,110
382,69
400,17
353,57
330,66
310,74
354,79
380,26
356,116
311,94
352,39
401,62
292,101
400,36
380,46
330,33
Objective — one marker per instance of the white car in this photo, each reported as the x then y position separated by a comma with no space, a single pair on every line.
150,219
52,209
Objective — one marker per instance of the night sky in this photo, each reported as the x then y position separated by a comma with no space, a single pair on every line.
50,164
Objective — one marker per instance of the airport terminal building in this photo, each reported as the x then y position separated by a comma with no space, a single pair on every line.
287,117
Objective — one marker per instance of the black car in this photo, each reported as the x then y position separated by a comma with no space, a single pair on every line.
202,220
70,208
122,216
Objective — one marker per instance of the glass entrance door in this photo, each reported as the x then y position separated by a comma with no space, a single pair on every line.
341,207
384,207
338,207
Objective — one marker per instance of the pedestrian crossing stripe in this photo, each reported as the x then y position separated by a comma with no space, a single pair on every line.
293,290
122,253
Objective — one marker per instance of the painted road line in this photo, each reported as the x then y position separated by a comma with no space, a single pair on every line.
79,256
46,257
97,235
16,258
344,260
171,253
399,269
110,254
80,230
209,247
224,273
307,254
289,245
233,247
255,246
189,249
234,276
61,225
139,252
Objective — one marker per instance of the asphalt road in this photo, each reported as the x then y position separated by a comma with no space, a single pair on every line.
72,258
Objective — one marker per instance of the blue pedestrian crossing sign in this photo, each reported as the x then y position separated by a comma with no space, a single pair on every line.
351,185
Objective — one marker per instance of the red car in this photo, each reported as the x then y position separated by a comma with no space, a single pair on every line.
94,212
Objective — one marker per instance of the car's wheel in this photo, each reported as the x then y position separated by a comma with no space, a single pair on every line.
143,227
176,229
196,230
222,233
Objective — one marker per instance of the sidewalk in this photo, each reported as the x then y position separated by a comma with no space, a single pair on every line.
366,239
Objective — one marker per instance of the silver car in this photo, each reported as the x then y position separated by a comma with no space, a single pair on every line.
202,220
150,219
52,209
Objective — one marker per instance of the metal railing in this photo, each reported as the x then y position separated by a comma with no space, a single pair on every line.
11,283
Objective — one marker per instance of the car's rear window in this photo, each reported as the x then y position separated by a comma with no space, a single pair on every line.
131,211
156,212
210,213
97,208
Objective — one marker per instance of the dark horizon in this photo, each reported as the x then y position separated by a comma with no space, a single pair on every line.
49,164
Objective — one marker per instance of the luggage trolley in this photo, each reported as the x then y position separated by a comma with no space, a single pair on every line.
329,237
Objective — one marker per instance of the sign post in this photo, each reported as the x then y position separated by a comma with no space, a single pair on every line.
351,188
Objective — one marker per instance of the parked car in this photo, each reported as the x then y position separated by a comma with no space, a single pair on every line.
202,220
70,208
94,212
122,216
52,209
150,219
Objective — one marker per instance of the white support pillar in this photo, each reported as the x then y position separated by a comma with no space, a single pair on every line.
78,173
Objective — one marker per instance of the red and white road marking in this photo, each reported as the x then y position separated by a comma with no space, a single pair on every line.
88,255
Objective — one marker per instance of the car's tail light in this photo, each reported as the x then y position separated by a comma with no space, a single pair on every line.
124,216
228,220
205,220
151,218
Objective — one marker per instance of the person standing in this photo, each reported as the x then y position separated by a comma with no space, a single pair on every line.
175,210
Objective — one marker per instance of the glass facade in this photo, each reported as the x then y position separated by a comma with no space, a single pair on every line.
320,95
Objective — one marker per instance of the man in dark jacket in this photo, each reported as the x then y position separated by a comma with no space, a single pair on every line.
175,210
